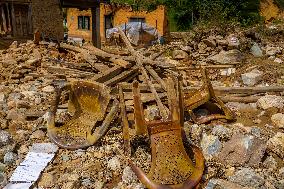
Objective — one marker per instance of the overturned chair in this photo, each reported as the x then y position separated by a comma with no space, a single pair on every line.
171,167
88,102
205,96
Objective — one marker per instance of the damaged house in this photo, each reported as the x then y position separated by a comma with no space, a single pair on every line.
20,18
79,21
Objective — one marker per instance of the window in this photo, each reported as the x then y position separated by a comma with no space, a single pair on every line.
84,22
137,19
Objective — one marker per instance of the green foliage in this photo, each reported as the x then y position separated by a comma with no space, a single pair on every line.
185,13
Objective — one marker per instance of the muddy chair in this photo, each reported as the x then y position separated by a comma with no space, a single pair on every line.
88,102
171,167
206,96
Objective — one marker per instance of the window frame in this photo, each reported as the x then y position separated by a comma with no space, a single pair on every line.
82,23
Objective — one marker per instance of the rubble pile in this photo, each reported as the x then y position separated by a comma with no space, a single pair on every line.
247,153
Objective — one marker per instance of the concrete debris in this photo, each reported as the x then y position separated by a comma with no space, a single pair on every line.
247,177
278,120
276,144
252,78
270,101
228,57
256,50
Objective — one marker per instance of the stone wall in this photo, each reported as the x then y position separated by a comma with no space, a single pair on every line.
120,16
48,18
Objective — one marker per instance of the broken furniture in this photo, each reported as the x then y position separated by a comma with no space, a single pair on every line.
88,102
206,96
171,166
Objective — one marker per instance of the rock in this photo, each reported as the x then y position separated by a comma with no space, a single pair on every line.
65,158
210,41
33,62
5,138
128,176
242,150
71,185
233,42
228,72
281,173
252,78
3,180
276,144
223,184
23,104
2,98
210,145
99,185
15,116
14,45
222,132
222,42
39,134
256,50
179,55
247,177
278,120
196,132
280,184
271,51
47,180
227,57
152,113
278,60
2,167
10,158
270,163
48,89
114,164
270,101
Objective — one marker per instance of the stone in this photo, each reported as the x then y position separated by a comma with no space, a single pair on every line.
276,144
280,184
228,57
10,158
5,138
47,180
71,185
99,185
256,50
278,60
210,41
210,145
65,158
270,163
222,132
270,101
114,164
48,89
233,42
33,62
222,42
2,98
228,72
152,113
14,45
278,120
247,177
2,167
128,176
179,55
196,132
3,180
252,78
23,104
271,51
281,173
223,184
242,150
39,134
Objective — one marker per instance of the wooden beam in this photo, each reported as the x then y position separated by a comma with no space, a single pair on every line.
14,29
129,73
30,24
9,18
96,37
4,19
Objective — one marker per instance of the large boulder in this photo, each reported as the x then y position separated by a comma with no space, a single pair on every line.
227,57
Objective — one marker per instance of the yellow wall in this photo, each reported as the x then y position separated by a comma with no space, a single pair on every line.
121,15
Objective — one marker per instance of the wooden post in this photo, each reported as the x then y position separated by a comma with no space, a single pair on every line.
30,25
96,37
4,19
14,29
9,18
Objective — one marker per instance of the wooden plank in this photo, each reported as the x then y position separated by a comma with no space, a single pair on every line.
9,19
4,18
109,74
96,37
13,20
30,24
62,70
130,73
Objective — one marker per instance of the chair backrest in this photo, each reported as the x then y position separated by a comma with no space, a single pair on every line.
89,98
